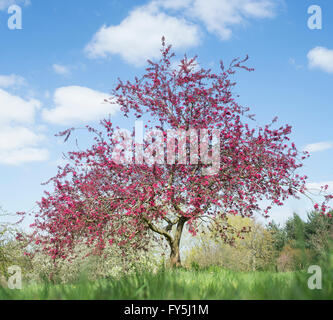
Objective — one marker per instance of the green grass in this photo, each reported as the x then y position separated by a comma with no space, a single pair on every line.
212,283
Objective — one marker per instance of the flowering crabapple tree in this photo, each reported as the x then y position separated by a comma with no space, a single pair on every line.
101,198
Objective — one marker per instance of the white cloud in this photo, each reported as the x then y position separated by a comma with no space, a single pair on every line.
76,104
174,4
18,137
321,58
138,37
219,16
12,80
18,142
60,69
319,146
16,109
4,4
19,145
257,8
24,155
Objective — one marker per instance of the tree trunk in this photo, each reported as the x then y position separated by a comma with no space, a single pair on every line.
174,244
175,261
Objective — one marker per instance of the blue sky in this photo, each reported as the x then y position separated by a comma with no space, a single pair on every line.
57,69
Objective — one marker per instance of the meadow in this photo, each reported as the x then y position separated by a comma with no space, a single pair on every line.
213,283
269,263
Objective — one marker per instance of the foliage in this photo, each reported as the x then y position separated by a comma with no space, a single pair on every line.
300,243
38,267
292,258
319,234
279,235
11,251
252,250
93,267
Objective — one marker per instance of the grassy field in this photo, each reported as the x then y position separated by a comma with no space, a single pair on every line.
212,283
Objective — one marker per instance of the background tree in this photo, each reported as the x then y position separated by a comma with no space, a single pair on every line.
319,234
96,196
279,235
11,250
294,229
300,243
251,249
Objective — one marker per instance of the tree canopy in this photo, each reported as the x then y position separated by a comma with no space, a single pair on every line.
199,159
